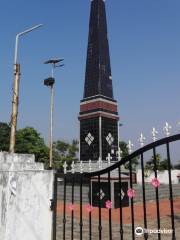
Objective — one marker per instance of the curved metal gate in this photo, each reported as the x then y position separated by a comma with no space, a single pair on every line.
95,205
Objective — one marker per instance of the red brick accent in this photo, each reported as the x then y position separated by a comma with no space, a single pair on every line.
98,115
98,104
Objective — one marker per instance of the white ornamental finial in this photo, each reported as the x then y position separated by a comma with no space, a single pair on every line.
90,166
109,158
73,168
130,147
167,129
100,163
81,167
154,134
142,140
65,167
119,154
178,124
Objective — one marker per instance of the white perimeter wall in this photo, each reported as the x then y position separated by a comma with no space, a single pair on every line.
162,176
25,193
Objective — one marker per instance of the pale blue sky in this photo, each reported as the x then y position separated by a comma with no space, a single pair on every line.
144,37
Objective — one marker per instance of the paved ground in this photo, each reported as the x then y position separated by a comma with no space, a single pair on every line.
151,216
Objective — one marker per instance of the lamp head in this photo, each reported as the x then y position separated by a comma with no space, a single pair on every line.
53,61
49,82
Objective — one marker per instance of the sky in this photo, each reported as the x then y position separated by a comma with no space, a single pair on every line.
144,39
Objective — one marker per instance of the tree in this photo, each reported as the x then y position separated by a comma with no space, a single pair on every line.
4,136
164,165
61,148
73,149
161,165
177,166
150,164
63,151
29,141
125,153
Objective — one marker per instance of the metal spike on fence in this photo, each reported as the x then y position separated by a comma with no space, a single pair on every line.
119,154
142,140
90,166
109,158
81,167
65,167
73,168
154,134
100,163
167,129
130,147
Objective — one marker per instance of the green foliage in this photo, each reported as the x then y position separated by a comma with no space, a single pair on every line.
177,166
161,165
63,151
150,164
164,165
4,136
29,141
124,149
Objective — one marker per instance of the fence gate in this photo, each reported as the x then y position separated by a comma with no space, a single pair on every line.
109,204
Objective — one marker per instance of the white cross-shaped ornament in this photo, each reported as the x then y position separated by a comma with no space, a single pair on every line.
90,166
73,168
119,154
154,134
100,163
178,124
65,167
81,167
130,147
142,140
167,129
109,158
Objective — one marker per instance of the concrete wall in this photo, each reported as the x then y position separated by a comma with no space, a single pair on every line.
162,176
25,193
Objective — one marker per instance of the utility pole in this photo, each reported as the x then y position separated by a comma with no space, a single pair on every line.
49,82
15,104
15,100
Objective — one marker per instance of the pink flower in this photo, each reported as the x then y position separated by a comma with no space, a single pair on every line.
71,207
89,208
131,193
108,204
155,182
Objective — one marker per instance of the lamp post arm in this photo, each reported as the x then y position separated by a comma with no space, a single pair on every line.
17,40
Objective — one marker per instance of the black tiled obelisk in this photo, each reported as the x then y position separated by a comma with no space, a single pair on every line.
98,109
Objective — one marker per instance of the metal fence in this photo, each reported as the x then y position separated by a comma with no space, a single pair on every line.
108,195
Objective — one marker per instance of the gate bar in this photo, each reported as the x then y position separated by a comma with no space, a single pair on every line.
72,213
64,210
171,192
55,207
110,216
100,226
120,204
157,193
132,201
81,219
144,195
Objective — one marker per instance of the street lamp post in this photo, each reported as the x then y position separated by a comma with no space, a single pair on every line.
15,100
49,82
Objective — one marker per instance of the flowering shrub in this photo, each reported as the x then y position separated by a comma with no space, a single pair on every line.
155,182
108,204
131,193
71,207
89,208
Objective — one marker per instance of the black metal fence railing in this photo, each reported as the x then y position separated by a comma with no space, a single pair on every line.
109,193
